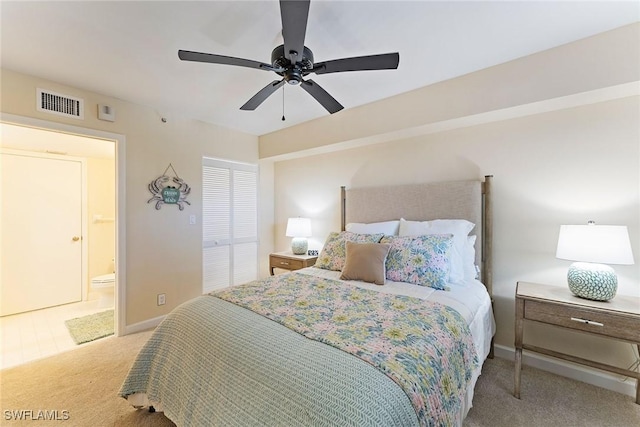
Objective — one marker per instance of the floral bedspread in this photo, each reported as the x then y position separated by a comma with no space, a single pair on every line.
425,347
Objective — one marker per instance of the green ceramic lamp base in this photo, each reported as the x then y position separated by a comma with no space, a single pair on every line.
299,245
592,281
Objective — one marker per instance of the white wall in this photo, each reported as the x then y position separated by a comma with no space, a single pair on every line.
564,167
559,130
163,251
101,200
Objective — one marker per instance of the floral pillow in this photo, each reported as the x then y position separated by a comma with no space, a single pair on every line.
334,252
421,260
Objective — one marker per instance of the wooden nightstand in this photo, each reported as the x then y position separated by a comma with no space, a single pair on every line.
289,261
617,319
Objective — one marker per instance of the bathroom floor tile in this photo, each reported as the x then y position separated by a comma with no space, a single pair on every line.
29,336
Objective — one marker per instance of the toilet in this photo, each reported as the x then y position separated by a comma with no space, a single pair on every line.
104,285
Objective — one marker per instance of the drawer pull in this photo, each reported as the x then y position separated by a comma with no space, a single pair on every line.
284,263
588,322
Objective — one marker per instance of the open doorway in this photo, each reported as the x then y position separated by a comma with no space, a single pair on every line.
99,240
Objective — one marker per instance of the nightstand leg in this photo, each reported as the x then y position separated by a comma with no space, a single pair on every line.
638,381
516,392
518,345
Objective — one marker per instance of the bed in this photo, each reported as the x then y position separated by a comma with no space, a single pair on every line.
326,345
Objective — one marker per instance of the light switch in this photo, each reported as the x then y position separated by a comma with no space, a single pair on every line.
192,219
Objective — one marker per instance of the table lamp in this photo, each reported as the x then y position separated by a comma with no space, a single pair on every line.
592,246
299,229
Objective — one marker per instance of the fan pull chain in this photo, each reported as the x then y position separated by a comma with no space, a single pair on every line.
283,103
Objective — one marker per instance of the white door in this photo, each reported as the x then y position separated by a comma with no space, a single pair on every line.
40,229
229,223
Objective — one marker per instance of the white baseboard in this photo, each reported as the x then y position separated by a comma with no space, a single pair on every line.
143,326
570,370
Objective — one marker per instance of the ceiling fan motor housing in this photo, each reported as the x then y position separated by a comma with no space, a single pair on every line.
292,72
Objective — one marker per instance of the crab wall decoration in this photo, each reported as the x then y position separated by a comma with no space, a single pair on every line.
163,192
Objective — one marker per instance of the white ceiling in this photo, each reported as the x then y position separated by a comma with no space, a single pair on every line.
128,50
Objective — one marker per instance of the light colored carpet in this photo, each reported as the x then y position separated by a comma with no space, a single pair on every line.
92,327
547,400
85,382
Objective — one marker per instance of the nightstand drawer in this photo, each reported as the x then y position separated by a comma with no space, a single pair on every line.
286,263
588,320
289,261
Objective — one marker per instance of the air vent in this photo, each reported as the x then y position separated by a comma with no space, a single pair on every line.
62,105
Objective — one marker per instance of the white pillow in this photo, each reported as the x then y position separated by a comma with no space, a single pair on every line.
460,229
470,271
388,228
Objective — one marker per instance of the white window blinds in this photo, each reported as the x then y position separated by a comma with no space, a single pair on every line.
229,223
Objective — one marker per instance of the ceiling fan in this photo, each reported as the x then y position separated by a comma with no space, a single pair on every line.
294,61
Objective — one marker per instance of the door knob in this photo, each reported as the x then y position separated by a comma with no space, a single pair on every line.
75,238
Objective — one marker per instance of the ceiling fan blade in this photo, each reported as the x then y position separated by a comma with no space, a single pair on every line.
385,61
294,14
322,96
263,94
187,55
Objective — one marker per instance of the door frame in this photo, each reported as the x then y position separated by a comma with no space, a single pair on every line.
120,184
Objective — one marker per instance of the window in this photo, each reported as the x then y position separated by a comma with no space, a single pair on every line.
229,223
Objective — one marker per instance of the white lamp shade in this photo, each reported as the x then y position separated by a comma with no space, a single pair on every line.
605,244
298,227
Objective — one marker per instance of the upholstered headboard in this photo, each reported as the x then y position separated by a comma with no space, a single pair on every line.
470,200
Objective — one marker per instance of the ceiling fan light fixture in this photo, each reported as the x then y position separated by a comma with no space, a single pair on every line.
293,76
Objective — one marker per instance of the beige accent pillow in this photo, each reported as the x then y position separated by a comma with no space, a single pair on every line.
365,262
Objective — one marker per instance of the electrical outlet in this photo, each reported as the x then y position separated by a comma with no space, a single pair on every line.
161,299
